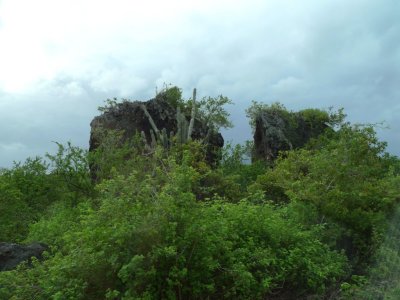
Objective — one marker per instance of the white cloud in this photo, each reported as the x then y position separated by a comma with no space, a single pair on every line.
12,147
60,59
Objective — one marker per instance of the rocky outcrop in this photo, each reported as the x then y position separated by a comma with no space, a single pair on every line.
11,255
130,118
279,130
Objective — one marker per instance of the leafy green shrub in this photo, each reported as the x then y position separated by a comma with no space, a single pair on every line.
70,172
59,218
151,241
115,155
382,279
347,182
31,180
15,213
27,190
174,96
235,161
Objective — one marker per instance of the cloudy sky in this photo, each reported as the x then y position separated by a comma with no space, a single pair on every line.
60,59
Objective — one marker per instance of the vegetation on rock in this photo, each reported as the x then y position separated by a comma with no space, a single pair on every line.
320,223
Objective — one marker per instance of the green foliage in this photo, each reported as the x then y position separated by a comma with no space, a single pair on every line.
174,96
70,167
314,118
25,192
114,155
258,108
15,213
209,113
311,116
58,220
212,112
321,223
347,182
30,179
151,241
109,105
383,277
236,169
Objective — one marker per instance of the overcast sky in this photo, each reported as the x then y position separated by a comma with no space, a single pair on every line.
60,59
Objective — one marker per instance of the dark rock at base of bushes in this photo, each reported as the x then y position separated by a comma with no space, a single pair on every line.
11,255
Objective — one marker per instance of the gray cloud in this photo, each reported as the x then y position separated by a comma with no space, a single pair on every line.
308,54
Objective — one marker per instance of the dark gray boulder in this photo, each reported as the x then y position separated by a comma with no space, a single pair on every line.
11,255
278,130
130,118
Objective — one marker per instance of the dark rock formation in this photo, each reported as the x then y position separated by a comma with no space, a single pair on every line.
278,130
130,118
13,254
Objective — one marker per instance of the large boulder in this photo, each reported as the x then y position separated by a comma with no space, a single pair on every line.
11,255
278,130
130,118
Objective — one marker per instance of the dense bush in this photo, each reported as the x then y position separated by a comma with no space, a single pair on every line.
321,223
347,184
147,242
